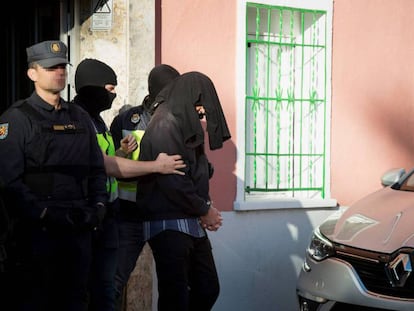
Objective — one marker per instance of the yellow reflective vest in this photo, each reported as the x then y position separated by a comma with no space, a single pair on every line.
127,189
106,144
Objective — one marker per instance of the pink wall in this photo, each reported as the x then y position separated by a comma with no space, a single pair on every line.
372,93
372,80
200,35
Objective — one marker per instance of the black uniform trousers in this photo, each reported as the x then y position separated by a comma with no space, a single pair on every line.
105,244
51,270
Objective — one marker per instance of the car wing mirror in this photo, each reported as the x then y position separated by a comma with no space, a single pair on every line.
392,176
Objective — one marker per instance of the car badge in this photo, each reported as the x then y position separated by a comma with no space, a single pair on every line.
399,270
135,118
4,130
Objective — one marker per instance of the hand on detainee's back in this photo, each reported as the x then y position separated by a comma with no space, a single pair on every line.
169,164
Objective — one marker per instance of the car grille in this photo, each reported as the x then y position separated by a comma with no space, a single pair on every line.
372,270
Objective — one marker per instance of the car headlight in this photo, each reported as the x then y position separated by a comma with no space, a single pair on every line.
320,247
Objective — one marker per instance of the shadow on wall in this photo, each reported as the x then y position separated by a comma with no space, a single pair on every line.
259,254
223,183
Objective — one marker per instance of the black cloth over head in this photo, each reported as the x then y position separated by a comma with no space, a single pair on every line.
183,95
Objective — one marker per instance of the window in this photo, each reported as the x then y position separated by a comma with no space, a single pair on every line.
286,102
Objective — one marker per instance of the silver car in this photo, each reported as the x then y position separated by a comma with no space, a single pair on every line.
361,257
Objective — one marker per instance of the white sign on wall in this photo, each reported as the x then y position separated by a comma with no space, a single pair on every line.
102,14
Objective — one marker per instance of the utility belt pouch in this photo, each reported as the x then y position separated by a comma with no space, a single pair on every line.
40,183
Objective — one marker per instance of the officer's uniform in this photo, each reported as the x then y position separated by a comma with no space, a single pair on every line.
131,239
52,165
106,241
91,78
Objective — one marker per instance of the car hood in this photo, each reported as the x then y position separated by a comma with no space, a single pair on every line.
382,221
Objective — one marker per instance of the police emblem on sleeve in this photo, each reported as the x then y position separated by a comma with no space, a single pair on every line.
135,118
4,130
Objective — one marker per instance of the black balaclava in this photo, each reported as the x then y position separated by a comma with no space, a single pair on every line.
183,95
90,79
158,78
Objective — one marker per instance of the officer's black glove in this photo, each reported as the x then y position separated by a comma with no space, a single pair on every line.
95,216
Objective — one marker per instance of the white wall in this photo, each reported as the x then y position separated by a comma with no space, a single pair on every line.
259,255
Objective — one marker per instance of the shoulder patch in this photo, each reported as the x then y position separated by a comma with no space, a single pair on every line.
4,130
135,118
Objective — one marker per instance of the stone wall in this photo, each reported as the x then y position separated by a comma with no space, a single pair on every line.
128,47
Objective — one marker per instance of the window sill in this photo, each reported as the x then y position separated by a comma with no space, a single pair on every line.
283,203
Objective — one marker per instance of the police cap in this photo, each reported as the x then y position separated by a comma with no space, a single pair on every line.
47,53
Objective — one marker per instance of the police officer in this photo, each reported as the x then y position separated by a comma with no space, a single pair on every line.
53,168
95,84
134,122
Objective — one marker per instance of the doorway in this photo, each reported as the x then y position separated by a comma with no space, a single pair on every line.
25,24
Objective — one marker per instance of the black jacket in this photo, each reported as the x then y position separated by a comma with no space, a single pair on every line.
175,128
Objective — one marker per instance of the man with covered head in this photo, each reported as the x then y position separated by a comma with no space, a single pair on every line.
134,122
95,84
177,209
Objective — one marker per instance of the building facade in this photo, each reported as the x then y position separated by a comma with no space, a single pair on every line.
318,97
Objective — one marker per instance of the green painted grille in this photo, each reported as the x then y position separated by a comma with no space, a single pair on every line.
285,102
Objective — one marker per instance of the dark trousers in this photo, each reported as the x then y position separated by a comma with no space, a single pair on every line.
187,276
102,290
104,262
50,271
131,242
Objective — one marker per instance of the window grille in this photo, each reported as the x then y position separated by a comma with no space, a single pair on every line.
285,102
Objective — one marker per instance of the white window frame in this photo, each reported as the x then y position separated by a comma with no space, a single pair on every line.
250,202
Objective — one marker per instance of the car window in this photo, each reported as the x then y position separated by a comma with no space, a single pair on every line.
408,184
